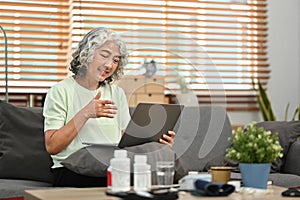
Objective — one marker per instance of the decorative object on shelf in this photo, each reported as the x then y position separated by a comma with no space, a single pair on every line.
182,85
6,66
150,68
253,148
185,96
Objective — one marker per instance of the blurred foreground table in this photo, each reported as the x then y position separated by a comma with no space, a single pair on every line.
99,193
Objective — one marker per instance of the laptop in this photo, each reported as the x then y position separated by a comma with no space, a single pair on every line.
148,123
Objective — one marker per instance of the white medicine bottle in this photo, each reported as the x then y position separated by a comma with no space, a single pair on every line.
120,171
142,173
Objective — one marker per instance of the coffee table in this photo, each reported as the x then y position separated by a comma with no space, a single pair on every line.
99,193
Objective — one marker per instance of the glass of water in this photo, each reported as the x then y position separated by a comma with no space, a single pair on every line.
165,173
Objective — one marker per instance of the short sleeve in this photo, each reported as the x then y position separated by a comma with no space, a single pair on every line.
124,110
55,109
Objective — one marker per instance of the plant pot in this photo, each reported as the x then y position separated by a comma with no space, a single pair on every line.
255,175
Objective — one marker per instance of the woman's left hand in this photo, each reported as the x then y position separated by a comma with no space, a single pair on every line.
168,138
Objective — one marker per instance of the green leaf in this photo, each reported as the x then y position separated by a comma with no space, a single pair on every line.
295,114
299,112
265,104
286,111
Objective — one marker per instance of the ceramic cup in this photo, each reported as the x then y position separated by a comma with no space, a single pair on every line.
220,174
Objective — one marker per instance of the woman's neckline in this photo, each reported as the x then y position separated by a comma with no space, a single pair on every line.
82,86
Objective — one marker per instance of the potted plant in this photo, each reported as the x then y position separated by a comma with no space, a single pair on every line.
254,149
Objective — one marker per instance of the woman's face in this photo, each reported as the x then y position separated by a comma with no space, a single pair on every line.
105,62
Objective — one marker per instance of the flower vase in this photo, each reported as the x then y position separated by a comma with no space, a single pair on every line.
255,175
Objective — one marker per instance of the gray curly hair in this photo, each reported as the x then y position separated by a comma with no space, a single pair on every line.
85,52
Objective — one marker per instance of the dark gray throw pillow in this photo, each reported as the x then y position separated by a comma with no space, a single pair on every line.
22,146
90,161
94,160
292,161
288,133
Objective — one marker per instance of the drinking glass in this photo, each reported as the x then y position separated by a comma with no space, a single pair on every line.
165,173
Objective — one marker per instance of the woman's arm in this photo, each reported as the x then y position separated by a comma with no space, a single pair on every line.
58,140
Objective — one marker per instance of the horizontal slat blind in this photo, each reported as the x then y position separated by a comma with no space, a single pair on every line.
37,34
217,46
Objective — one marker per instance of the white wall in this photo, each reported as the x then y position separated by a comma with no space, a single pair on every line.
284,60
284,54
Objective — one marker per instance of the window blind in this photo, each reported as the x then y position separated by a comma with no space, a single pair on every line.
217,47
37,35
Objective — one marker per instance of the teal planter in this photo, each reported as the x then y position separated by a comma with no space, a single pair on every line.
255,175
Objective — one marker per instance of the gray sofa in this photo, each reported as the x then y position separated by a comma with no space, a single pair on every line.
202,137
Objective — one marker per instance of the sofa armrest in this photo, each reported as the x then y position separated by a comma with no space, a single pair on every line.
22,144
292,162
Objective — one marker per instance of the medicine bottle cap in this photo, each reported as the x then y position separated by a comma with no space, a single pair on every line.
121,153
140,158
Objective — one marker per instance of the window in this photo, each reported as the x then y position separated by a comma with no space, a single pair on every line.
37,36
218,47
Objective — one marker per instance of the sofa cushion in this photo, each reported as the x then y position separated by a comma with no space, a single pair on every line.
91,160
10,188
202,134
94,160
292,161
279,179
285,180
288,133
22,146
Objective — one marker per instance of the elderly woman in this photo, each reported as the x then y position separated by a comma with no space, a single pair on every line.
87,106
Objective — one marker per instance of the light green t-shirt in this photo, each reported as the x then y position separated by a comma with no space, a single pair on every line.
67,97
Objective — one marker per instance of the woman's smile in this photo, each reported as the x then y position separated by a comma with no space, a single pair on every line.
104,73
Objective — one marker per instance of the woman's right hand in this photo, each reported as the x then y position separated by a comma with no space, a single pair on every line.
100,108
57,140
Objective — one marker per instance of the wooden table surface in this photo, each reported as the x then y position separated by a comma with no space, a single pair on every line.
274,193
